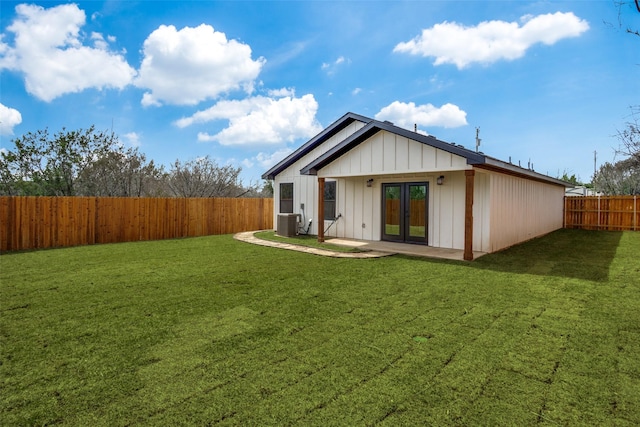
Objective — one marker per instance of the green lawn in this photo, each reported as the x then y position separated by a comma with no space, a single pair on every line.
209,331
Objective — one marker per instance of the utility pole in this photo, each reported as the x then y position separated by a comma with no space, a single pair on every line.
478,138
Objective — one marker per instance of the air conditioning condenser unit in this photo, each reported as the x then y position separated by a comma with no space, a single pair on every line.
287,224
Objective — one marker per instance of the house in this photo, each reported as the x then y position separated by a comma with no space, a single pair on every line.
580,190
371,180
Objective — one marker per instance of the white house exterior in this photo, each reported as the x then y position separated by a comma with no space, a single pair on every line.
393,184
580,190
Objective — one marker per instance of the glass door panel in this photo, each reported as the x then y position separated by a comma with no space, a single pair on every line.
417,221
392,211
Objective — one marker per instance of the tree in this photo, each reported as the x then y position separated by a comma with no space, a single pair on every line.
203,177
570,179
267,188
120,173
44,165
623,177
75,163
630,137
620,178
633,5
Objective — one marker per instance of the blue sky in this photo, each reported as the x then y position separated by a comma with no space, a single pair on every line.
245,82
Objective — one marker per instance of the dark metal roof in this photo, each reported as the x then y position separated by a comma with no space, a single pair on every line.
374,127
497,165
327,133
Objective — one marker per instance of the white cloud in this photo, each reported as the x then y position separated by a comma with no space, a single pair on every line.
100,43
356,91
259,120
206,137
266,160
9,118
407,115
490,41
332,67
49,51
132,139
4,48
285,91
188,66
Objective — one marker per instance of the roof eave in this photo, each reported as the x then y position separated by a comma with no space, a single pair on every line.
498,165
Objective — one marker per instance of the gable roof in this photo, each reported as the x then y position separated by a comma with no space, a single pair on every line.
327,133
476,159
375,126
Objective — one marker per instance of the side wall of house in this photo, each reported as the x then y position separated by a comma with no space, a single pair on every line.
522,209
305,188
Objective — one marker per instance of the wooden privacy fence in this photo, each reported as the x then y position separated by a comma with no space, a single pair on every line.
416,212
45,222
614,213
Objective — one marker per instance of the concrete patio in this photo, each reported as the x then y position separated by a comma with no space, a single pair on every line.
404,248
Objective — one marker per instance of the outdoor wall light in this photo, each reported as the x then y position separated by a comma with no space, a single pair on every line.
440,180
369,182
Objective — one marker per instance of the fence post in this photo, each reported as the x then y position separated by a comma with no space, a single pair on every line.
598,212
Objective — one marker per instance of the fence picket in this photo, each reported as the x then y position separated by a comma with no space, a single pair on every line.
44,222
614,213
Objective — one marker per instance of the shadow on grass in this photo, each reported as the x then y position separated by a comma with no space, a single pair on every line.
576,254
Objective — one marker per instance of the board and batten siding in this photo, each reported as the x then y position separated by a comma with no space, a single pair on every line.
388,153
522,209
481,212
389,158
305,188
361,208
506,210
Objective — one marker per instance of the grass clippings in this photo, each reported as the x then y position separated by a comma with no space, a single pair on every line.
210,330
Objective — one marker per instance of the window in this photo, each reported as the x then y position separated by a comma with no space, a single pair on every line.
286,197
330,200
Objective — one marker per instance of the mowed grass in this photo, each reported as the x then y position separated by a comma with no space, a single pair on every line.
211,331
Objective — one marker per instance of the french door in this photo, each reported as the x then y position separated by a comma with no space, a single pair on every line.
404,211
